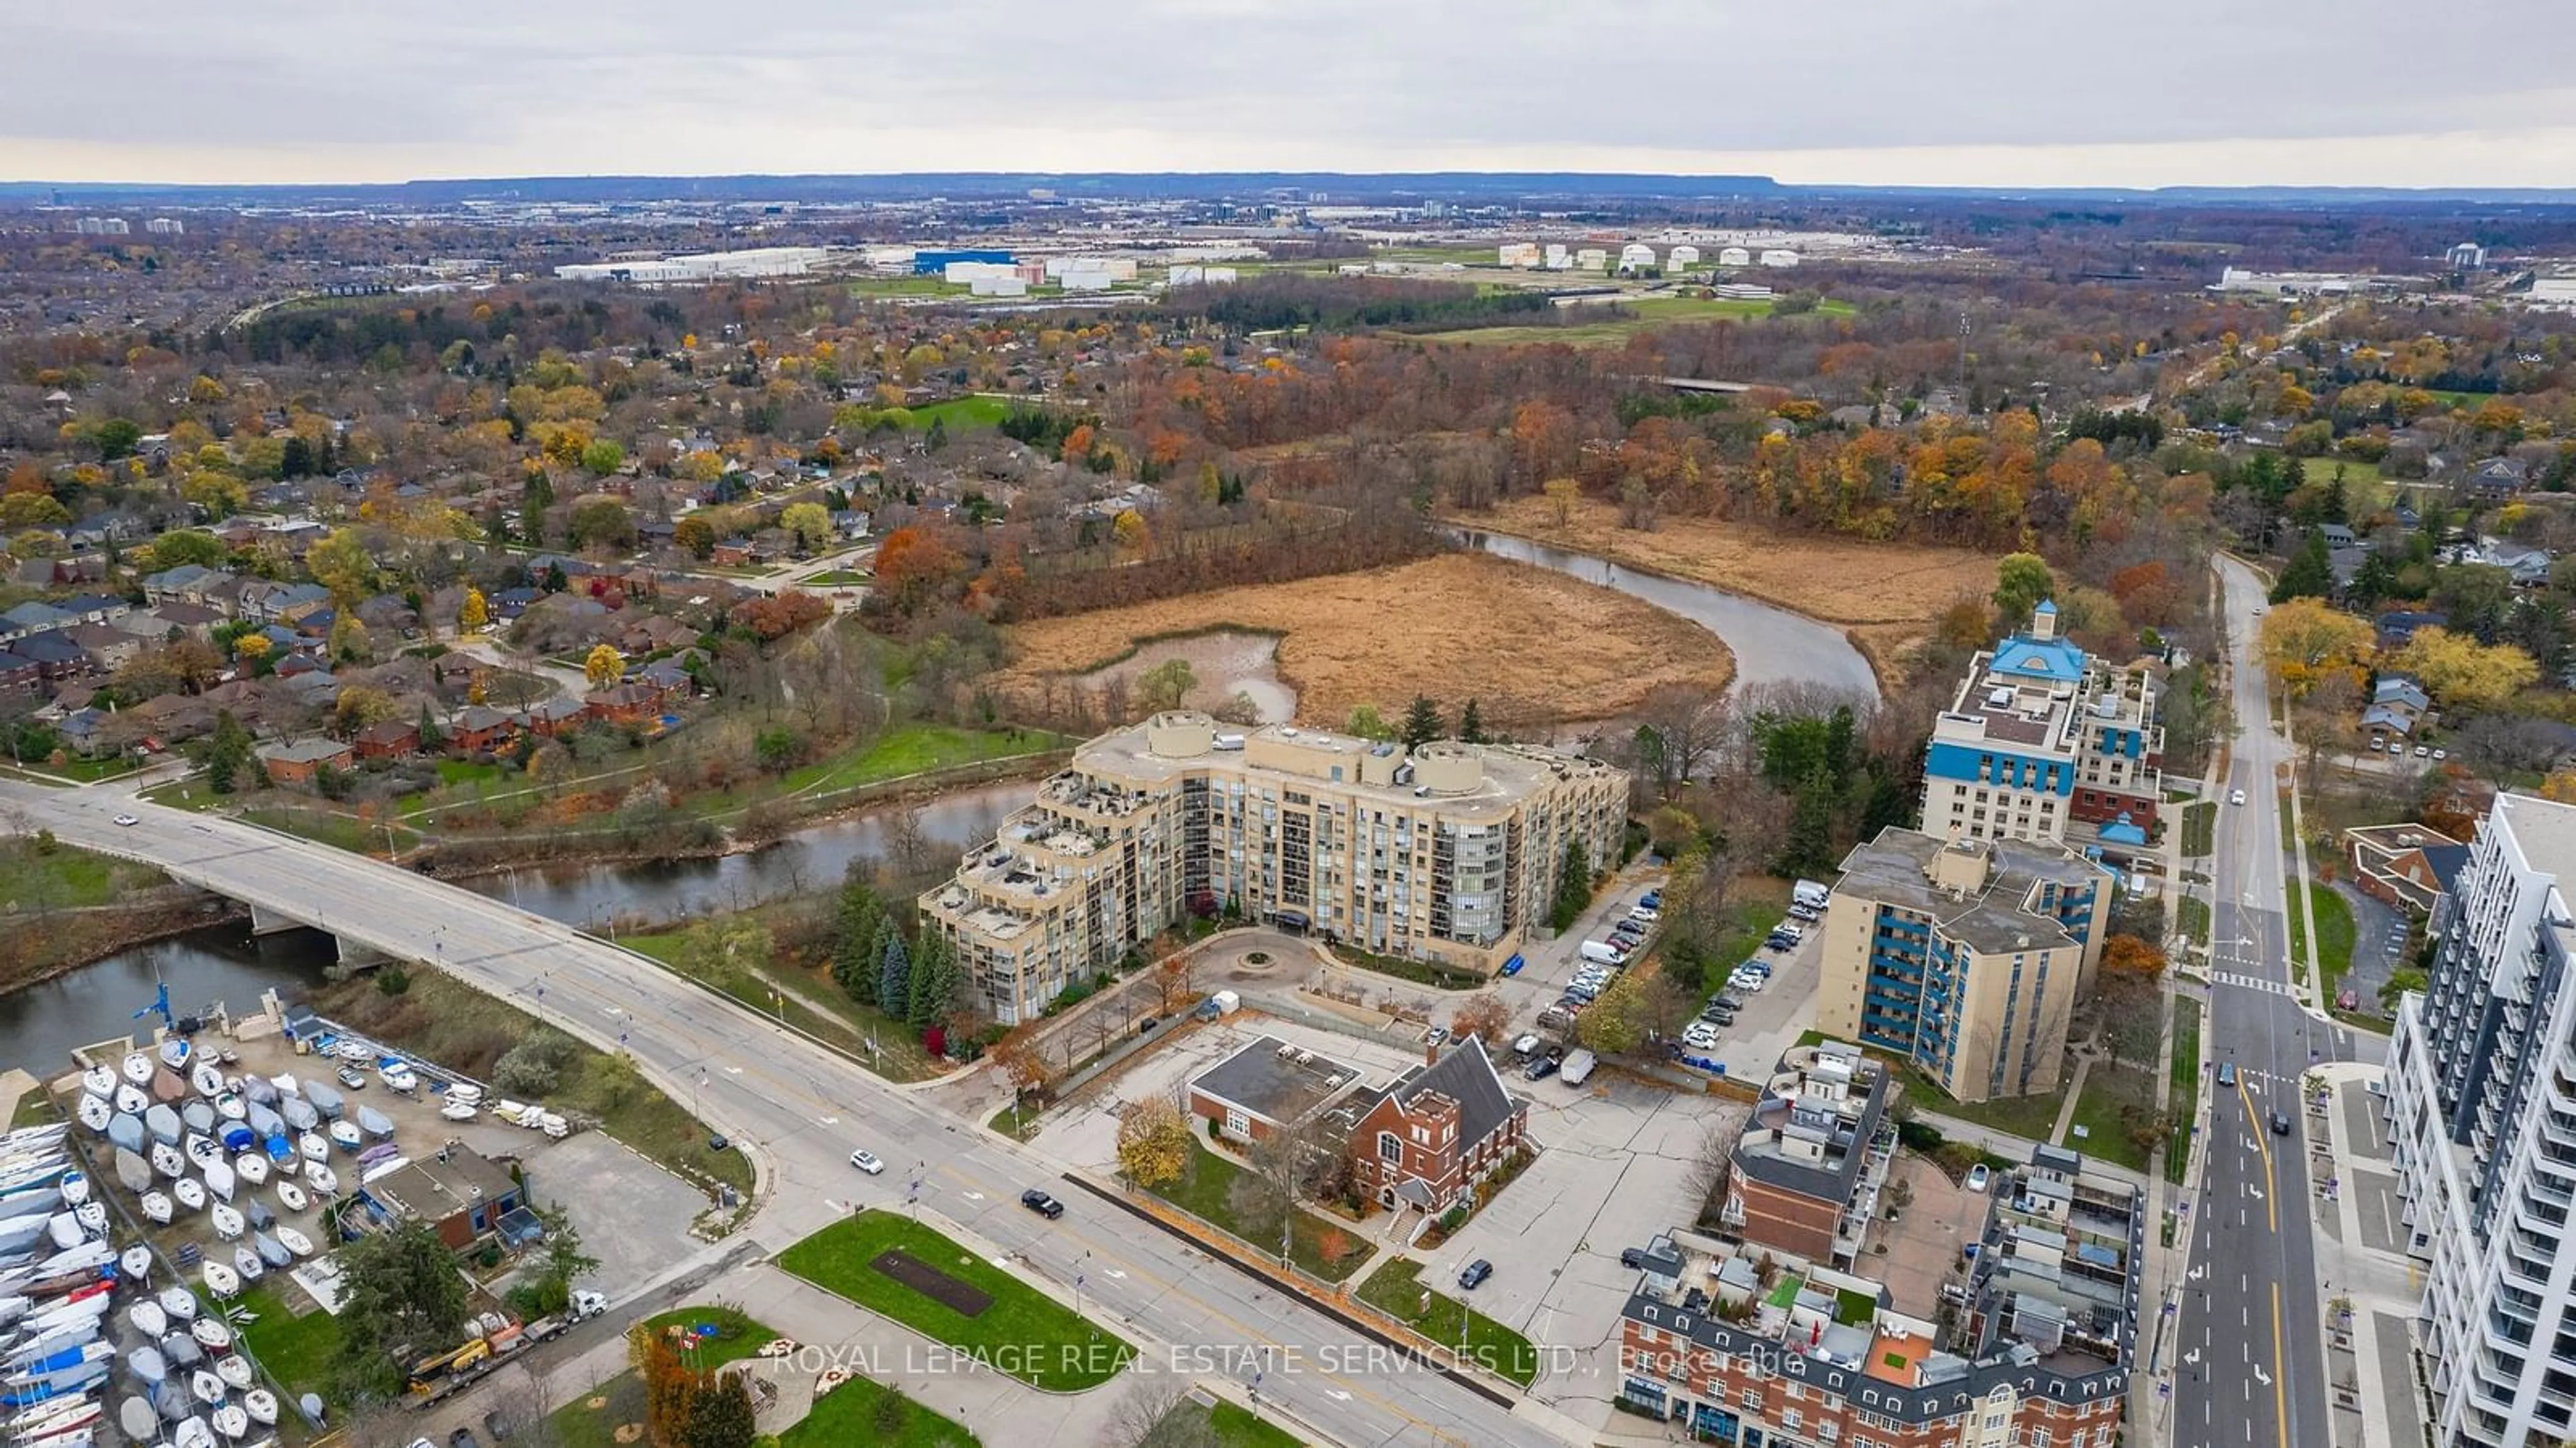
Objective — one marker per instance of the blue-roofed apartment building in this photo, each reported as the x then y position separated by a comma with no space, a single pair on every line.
1963,956
2043,737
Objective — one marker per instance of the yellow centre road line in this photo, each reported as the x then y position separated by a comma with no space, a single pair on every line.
2271,1185
2280,1376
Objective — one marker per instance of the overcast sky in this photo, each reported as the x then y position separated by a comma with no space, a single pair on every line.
1946,92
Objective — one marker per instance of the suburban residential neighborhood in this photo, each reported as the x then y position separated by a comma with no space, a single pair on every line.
1177,810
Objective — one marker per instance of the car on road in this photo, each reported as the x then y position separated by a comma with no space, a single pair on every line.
2236,796
1977,1177
866,1161
1147,1026
1477,1271
2280,1123
352,1077
127,819
2226,1073
1042,1204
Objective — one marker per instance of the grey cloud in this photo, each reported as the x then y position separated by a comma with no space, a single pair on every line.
515,83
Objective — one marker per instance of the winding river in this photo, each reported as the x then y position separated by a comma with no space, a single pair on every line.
40,1025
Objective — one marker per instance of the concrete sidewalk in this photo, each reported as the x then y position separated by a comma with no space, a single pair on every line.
2372,1288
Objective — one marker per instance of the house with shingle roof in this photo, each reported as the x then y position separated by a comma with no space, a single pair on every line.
1442,1128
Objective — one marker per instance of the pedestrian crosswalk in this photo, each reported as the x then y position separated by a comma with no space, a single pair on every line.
2250,982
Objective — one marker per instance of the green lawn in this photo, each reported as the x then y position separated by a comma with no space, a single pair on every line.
296,1350
83,771
756,982
2200,828
1023,1333
916,749
1227,1424
1205,1190
2186,1084
848,1414
2334,935
2191,916
1018,1123
736,1336
1638,315
904,286
37,876
2116,1099
1396,1289
838,578
959,412
579,1425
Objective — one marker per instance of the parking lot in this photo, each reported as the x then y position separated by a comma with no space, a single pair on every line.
1614,1173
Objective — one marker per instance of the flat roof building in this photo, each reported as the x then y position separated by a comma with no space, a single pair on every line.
1964,958
1806,1173
1743,1344
2045,742
1268,1086
1443,853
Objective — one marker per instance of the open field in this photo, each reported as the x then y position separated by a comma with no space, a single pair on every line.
1016,1329
1455,627
1885,595
2118,1101
37,875
1640,314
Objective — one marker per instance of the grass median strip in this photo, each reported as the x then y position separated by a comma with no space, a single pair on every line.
1396,1289
1016,1330
2185,1072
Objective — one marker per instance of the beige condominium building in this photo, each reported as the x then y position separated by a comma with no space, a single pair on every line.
1963,957
1442,853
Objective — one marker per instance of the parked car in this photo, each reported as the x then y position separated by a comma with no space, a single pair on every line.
1539,1068
1042,1204
1756,967
1632,1256
1728,1002
1477,1271
1647,913
1526,1045
352,1077
1652,899
866,1161
1700,1037
1977,1177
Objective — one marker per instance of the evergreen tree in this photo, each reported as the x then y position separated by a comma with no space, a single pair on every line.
1422,722
721,1416
2309,574
1573,886
538,496
894,972
934,981
1810,846
1471,723
937,437
857,939
228,753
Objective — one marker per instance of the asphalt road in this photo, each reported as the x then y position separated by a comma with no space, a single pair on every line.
2248,1357
800,1110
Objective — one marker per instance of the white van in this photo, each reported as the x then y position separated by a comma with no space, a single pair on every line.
1578,1067
1603,953
1810,894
